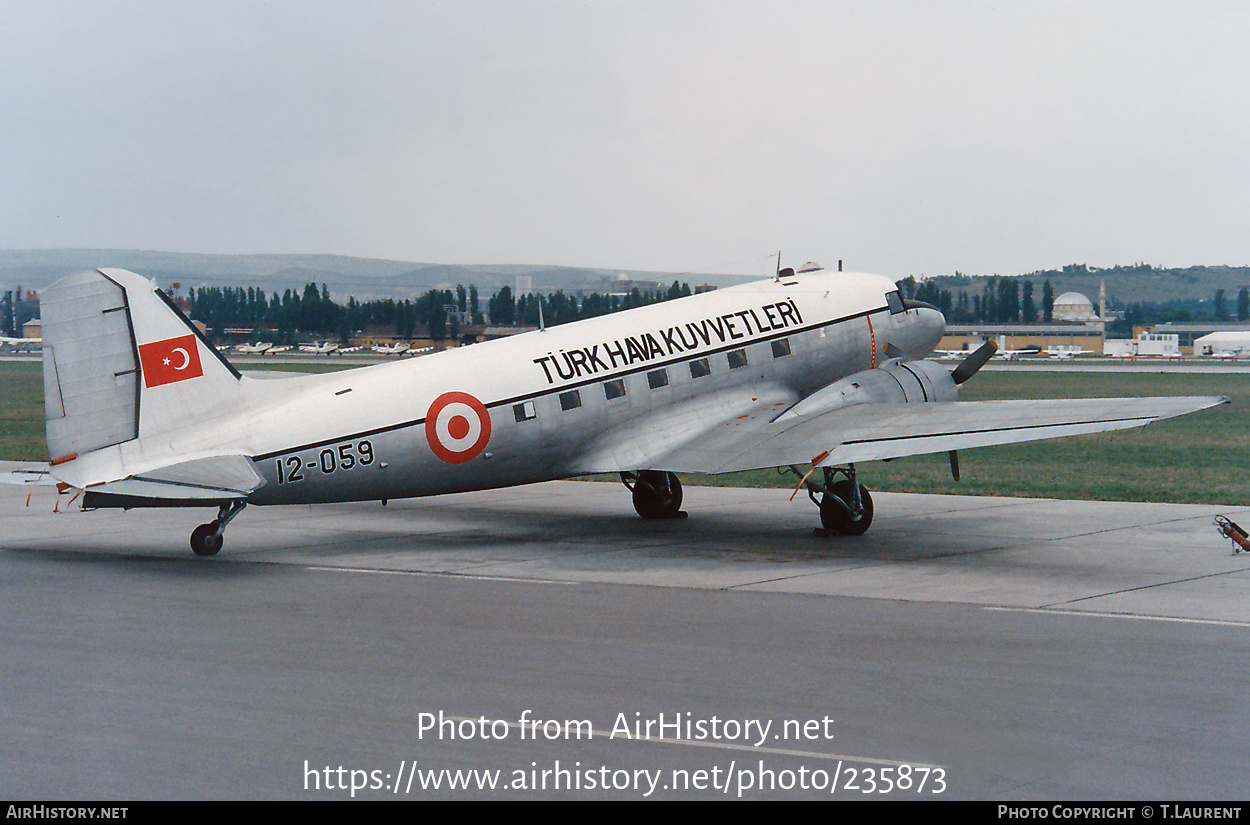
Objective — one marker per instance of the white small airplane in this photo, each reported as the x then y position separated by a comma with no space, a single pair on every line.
397,348
1016,354
319,349
1066,352
814,372
253,349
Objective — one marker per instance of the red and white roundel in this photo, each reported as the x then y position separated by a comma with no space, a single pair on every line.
457,427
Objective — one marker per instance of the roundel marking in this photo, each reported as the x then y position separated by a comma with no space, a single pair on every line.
457,427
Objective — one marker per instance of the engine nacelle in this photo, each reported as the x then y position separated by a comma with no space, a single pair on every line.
891,383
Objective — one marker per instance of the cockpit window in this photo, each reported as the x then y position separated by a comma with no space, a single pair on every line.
895,302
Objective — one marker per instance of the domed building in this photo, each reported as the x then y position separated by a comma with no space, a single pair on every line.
1073,306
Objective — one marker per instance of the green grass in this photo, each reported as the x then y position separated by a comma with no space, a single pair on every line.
21,411
1199,458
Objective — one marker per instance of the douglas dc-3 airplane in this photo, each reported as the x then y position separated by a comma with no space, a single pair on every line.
815,371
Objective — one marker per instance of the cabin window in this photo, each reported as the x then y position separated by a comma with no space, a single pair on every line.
895,302
570,400
737,358
781,348
524,412
700,368
657,379
614,389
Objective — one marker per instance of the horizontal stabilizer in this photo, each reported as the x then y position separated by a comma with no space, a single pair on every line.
27,474
212,479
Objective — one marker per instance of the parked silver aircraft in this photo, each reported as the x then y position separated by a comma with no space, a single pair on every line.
814,372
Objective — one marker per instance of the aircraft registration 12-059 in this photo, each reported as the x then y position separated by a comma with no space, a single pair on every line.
812,371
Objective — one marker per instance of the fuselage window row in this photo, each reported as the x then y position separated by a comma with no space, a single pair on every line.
699,368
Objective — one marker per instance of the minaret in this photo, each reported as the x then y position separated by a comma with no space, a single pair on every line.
1102,301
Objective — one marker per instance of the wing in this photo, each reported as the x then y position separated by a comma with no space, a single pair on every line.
863,432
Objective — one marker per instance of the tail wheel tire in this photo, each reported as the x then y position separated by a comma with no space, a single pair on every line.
657,494
836,520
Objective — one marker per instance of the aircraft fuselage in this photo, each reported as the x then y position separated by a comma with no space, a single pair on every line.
592,396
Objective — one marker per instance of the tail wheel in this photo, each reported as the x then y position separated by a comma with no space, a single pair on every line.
657,494
835,518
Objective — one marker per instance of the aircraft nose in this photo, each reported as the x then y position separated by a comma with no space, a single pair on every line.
933,327
925,327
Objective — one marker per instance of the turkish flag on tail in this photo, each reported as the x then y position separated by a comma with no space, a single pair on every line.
174,359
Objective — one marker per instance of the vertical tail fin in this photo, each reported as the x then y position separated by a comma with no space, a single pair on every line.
120,360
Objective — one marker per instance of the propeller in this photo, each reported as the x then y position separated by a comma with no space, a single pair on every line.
966,369
969,366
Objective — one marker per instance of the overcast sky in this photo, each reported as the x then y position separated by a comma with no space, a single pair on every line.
906,138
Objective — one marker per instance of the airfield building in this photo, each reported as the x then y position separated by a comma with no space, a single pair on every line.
1087,336
1188,334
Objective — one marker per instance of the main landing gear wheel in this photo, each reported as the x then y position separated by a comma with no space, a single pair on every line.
836,519
207,539
845,504
657,494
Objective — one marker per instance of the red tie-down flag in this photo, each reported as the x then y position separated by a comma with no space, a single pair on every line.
174,359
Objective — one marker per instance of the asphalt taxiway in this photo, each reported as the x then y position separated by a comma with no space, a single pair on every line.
1026,648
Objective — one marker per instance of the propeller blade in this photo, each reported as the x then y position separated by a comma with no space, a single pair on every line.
969,366
954,454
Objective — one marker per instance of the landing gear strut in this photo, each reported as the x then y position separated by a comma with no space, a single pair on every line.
845,504
657,494
207,539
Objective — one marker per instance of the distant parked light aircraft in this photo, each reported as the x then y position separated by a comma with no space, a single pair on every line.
815,372
20,344
1016,354
319,349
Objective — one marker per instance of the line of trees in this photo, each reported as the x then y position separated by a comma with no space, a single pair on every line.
314,312
1148,313
1001,300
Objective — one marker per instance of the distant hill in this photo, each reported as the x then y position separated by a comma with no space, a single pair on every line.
364,278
